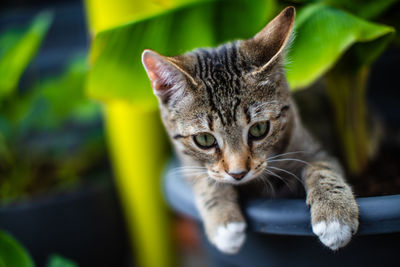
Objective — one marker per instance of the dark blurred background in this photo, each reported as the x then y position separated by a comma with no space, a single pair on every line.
67,203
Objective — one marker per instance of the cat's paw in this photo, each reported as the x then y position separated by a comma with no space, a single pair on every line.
335,222
229,238
334,234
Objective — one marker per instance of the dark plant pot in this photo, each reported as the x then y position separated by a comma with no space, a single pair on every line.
279,232
84,225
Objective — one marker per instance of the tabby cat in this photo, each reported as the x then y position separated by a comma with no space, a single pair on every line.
230,116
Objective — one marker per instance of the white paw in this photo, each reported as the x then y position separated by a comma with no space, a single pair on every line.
333,234
229,238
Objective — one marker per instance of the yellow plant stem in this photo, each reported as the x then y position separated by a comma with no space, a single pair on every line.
138,147
347,92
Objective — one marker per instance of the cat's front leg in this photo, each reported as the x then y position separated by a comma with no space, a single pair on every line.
334,211
222,218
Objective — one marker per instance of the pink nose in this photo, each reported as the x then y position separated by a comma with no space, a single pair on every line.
238,175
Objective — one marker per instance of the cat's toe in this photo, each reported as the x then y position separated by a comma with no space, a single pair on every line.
230,237
333,234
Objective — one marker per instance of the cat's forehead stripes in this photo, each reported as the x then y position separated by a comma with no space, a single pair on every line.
219,71
261,110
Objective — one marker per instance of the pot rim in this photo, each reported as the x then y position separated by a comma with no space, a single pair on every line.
378,215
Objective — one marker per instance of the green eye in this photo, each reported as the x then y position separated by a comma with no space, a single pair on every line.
204,140
259,130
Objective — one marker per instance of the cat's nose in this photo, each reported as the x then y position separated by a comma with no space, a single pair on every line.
238,175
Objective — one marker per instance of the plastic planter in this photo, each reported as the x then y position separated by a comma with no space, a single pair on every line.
279,231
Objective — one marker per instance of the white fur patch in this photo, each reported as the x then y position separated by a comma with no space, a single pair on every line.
333,234
229,238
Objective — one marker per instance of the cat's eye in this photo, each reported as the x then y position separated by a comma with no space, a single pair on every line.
259,130
205,140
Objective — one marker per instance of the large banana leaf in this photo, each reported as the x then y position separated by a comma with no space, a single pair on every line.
125,11
12,253
117,72
242,19
323,35
367,9
17,48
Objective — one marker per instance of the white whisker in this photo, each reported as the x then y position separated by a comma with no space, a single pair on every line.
269,185
288,153
281,178
288,172
290,159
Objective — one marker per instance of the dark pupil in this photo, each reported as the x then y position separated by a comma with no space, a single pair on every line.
259,130
205,140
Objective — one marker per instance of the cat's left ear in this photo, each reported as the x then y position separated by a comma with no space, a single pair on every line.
267,45
167,75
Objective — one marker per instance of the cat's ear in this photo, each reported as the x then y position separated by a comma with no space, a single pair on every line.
168,77
267,45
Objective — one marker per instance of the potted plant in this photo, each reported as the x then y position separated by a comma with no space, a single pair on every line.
56,188
179,27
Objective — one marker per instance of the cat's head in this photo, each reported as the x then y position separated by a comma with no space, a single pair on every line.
228,108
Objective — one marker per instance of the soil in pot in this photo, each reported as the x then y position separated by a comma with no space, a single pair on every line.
382,177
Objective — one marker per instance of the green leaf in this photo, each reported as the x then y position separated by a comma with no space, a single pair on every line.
17,48
52,101
367,9
323,35
60,98
58,261
241,19
117,71
12,253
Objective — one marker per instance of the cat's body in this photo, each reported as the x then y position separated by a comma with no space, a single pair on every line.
234,126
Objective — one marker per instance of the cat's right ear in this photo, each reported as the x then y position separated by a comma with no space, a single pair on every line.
267,45
167,77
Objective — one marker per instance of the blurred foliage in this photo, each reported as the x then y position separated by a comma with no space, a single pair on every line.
17,48
117,72
124,11
50,134
323,35
367,9
59,261
12,253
